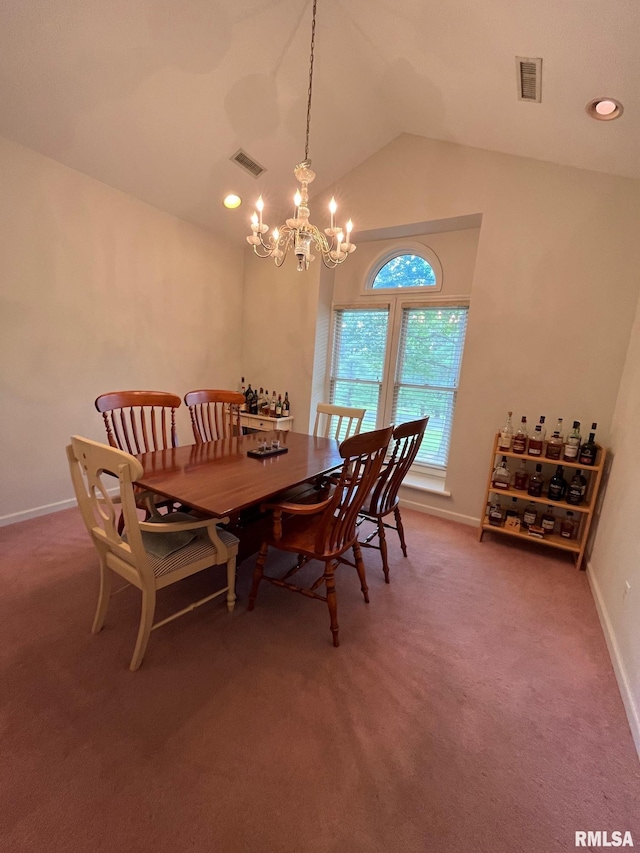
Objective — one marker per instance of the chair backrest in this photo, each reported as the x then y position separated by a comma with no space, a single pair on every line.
339,422
140,421
214,414
93,467
406,441
363,457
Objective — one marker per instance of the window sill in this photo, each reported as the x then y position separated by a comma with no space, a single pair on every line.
426,483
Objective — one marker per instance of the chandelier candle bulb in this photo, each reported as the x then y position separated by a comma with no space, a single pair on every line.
332,208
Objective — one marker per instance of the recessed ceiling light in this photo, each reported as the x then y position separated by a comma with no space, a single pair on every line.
232,201
604,109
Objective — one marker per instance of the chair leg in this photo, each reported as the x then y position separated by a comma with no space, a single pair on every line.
383,550
357,554
332,600
231,583
257,575
400,530
146,622
103,597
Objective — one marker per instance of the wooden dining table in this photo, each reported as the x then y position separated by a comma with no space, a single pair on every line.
219,479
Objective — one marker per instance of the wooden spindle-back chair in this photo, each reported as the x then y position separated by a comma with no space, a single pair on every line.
326,530
140,421
214,414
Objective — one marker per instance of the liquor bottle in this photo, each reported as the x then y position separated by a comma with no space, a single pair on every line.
548,520
530,515
568,526
577,489
555,444
265,405
558,428
243,391
496,514
501,475
557,485
536,482
272,405
260,400
572,444
521,477
589,449
286,408
279,406
505,438
537,439
254,403
512,518
520,438
248,396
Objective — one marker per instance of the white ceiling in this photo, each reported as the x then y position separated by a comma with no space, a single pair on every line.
154,96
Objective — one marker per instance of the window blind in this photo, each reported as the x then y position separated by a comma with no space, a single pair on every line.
359,346
427,374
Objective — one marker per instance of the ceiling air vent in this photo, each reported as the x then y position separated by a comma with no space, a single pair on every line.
243,159
529,77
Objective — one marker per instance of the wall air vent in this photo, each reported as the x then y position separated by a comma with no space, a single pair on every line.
529,78
247,163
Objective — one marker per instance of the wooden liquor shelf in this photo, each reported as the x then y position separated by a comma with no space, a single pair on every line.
583,512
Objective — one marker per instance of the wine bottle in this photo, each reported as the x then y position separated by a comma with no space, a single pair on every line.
501,475
572,445
505,437
557,485
589,449
279,406
520,438
272,405
286,407
243,391
536,482
577,489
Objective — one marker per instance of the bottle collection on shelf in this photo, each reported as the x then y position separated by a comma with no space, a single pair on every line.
571,449
259,402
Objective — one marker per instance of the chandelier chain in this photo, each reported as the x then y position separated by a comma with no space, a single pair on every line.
313,41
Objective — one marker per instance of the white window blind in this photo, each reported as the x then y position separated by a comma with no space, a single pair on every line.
427,373
359,348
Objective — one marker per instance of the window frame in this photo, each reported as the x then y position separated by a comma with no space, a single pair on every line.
419,250
396,300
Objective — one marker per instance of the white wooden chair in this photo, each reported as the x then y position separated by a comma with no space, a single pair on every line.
339,422
150,555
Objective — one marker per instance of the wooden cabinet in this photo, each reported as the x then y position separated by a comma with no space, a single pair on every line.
265,424
583,513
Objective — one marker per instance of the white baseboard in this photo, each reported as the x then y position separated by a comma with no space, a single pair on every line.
440,513
633,713
15,517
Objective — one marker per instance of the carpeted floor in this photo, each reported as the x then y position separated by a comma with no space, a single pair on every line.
471,707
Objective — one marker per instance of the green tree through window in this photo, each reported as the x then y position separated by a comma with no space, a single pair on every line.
405,271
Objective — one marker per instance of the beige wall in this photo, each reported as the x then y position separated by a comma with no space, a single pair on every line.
554,288
99,293
615,560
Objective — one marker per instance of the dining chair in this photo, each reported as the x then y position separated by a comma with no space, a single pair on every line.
214,414
338,422
149,555
139,421
383,498
325,530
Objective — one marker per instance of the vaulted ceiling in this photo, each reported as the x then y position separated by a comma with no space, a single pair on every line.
154,96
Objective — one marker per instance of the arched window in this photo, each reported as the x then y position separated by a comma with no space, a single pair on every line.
415,267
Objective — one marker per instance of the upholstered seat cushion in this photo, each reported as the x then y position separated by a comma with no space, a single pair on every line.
197,549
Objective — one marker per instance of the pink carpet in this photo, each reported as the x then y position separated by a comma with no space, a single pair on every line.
470,707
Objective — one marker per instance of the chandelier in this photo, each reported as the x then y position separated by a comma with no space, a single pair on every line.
298,234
